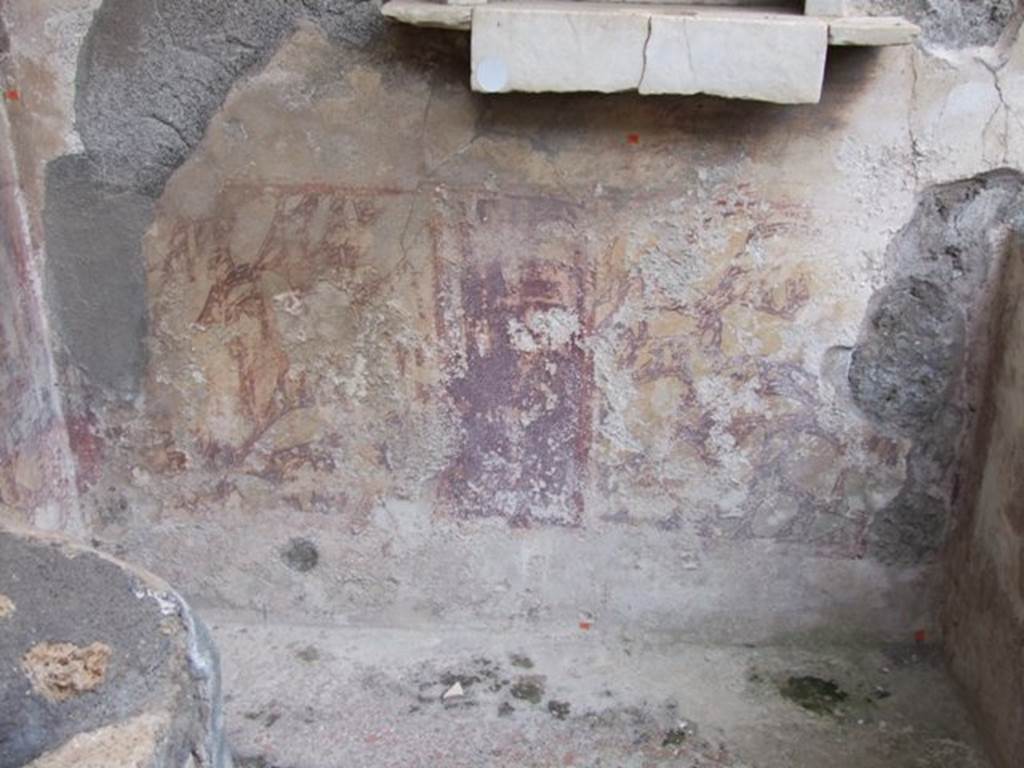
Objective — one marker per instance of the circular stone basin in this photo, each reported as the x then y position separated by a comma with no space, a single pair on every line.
101,664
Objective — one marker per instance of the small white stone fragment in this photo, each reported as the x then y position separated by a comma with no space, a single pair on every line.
454,692
429,14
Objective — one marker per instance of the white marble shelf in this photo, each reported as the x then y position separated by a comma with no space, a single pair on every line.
759,53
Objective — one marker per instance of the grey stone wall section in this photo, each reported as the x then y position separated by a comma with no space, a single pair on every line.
911,371
151,74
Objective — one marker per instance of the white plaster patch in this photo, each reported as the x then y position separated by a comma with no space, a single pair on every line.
545,330
615,382
670,273
355,384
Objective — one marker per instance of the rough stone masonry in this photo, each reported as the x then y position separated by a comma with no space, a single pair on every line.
101,664
311,329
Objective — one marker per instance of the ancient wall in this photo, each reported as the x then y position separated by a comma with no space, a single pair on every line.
36,471
338,338
984,615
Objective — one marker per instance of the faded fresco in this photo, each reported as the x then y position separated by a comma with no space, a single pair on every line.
391,349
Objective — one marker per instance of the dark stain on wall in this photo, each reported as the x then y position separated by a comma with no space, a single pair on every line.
301,555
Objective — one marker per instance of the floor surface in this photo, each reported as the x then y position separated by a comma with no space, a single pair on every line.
315,697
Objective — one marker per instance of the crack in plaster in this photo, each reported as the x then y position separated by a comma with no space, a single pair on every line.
647,42
916,155
1002,106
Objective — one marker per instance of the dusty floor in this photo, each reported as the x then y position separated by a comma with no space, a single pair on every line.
312,697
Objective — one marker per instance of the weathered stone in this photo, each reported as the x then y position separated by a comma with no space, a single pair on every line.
520,356
430,14
912,371
129,744
606,48
101,662
747,56
903,369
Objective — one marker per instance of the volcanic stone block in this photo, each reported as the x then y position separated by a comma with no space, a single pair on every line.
101,665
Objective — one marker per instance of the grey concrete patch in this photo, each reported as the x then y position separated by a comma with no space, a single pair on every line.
93,645
95,276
